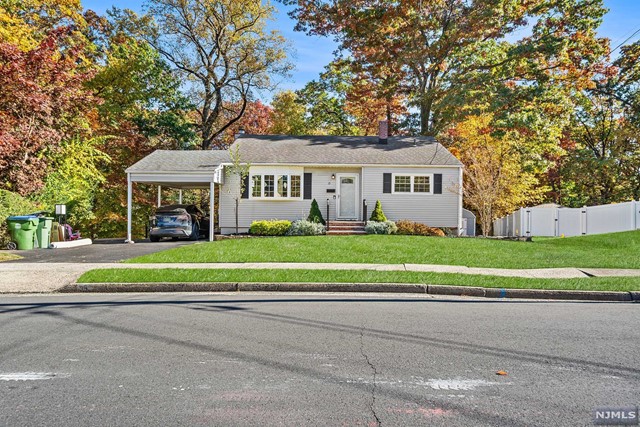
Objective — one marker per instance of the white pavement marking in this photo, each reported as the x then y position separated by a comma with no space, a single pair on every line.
30,376
458,384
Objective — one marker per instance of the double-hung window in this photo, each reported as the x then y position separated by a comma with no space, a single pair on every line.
276,186
412,183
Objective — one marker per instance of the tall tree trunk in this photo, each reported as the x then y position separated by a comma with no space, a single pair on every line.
425,115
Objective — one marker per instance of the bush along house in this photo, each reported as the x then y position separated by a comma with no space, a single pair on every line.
276,177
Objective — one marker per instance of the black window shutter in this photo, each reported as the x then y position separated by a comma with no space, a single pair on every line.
437,183
307,186
245,190
386,183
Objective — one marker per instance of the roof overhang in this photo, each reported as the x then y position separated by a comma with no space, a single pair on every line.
179,179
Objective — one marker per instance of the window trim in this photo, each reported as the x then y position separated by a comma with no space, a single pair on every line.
411,175
275,175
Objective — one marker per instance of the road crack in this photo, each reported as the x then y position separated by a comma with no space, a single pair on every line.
372,405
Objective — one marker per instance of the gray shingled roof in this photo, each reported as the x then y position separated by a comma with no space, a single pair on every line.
322,150
181,161
342,150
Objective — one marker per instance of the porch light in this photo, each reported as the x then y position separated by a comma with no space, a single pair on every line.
333,176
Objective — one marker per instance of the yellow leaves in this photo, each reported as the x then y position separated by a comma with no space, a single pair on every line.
25,23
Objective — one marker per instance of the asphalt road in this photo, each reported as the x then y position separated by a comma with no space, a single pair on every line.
340,360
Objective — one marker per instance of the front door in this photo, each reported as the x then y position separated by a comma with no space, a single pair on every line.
347,205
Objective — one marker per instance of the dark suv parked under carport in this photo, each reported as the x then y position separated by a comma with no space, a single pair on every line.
179,222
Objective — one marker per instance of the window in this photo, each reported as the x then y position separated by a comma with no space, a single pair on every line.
422,184
295,186
268,185
402,184
282,186
257,186
412,184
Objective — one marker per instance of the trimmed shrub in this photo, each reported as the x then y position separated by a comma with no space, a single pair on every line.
417,229
377,215
306,228
315,215
375,227
272,227
12,204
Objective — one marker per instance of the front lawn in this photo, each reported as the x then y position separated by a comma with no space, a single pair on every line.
357,276
616,250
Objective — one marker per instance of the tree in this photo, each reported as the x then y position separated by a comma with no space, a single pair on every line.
222,50
74,179
324,100
601,164
42,102
257,120
378,215
289,115
26,23
438,52
315,215
496,180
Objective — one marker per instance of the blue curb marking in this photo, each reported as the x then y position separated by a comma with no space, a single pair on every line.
503,293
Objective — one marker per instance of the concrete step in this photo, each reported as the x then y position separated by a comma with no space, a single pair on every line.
346,227
355,223
345,232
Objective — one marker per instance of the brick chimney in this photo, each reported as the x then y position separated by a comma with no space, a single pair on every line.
383,131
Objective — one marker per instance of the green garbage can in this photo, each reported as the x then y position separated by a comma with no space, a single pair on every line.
43,232
22,229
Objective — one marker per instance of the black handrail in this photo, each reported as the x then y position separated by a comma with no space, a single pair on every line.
364,210
327,215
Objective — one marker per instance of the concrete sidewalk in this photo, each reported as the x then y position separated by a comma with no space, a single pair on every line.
49,277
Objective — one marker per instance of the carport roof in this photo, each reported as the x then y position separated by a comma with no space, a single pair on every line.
164,161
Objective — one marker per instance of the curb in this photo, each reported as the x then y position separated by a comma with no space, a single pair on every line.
402,288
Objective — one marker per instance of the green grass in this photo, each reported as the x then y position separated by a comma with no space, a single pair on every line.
5,256
349,276
616,250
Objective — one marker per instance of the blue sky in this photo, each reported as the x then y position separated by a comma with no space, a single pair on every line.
311,54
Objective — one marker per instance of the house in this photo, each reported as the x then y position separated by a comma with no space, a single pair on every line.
415,178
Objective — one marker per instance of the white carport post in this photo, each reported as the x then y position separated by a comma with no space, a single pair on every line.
129,203
460,193
159,195
212,203
180,196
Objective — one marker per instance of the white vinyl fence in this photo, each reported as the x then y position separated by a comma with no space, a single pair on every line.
558,221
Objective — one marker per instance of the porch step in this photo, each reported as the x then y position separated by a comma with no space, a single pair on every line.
349,223
345,232
346,227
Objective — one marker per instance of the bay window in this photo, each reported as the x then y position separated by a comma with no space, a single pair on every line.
276,186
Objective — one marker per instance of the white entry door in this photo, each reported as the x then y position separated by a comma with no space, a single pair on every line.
347,201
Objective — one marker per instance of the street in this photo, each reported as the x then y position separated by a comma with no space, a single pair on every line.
311,359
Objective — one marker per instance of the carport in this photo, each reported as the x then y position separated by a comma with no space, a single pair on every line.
178,169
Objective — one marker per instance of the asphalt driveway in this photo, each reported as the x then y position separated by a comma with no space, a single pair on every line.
101,251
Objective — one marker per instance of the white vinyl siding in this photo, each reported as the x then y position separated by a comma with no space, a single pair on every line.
292,209
436,210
